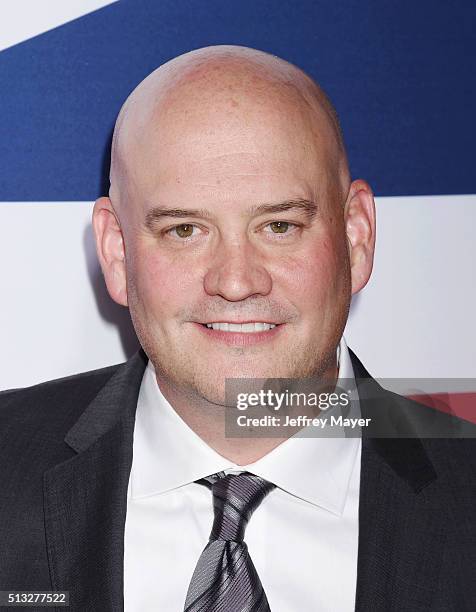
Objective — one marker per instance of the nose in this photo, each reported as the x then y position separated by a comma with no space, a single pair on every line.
237,272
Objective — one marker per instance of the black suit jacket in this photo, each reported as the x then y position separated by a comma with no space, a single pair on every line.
65,459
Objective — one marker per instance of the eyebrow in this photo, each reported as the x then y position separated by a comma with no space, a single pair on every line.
308,207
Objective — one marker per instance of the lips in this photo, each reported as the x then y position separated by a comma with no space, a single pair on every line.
246,328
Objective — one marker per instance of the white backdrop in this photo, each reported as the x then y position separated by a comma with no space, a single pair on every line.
414,319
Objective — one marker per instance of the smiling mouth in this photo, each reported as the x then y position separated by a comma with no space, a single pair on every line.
246,328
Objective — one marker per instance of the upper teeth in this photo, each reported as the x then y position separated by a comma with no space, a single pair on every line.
241,327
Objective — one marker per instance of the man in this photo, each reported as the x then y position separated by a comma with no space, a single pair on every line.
236,237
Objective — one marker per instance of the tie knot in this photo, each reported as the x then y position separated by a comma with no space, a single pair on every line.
235,498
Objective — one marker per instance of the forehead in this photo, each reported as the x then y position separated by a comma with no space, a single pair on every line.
230,141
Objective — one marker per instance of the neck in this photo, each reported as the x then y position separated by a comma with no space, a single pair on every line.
207,420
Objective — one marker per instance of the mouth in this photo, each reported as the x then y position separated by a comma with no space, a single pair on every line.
240,333
249,327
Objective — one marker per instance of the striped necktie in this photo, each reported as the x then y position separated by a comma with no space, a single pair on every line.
225,578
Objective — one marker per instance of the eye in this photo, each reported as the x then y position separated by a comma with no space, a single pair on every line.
184,230
280,227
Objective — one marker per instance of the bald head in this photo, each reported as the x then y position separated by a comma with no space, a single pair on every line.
222,92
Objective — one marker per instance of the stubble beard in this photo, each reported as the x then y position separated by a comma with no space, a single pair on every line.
192,377
196,379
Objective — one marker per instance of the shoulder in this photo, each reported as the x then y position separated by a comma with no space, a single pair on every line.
53,405
449,442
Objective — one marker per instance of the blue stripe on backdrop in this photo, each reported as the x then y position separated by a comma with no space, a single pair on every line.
401,74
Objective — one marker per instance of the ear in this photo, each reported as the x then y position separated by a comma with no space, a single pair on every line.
110,249
359,215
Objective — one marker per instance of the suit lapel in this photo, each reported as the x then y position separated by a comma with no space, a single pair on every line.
401,536
85,498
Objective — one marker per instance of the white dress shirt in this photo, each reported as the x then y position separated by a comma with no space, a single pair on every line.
302,538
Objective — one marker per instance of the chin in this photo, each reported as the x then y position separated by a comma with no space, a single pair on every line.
253,370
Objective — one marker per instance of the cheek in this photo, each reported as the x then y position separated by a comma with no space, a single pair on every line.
161,285
314,276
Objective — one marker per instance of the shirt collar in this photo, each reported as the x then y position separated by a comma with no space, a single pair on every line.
168,454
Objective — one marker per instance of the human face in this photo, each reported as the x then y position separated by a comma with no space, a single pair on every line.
240,222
